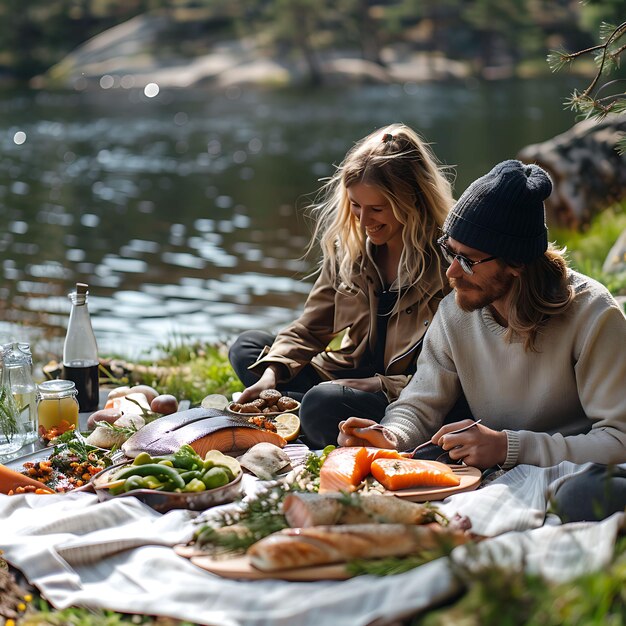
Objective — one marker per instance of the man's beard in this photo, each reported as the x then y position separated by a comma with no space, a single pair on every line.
471,297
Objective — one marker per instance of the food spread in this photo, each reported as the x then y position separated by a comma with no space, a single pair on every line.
320,513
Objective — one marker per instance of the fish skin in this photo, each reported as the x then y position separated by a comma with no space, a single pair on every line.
166,434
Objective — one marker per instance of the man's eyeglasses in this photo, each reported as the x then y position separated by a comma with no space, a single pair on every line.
465,263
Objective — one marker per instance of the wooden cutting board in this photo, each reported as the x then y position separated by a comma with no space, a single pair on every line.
240,568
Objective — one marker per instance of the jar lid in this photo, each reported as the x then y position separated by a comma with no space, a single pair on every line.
56,386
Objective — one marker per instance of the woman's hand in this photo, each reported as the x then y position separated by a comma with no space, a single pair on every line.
371,384
356,431
267,381
479,446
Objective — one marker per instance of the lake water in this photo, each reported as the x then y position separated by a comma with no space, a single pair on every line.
184,212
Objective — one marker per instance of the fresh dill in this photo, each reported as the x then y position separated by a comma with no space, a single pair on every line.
257,518
8,413
390,565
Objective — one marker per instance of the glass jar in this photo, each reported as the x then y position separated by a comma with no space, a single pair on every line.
18,363
57,405
11,429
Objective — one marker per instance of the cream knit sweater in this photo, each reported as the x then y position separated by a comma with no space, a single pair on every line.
565,402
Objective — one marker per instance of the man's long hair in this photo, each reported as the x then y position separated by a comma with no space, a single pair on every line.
541,291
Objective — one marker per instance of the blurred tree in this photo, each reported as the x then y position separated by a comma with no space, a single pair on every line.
501,29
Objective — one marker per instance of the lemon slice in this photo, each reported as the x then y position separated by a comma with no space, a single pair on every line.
214,401
288,426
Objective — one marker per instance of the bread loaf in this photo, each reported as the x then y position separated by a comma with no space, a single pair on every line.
322,545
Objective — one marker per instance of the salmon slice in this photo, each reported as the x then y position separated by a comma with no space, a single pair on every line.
383,453
394,474
203,429
344,469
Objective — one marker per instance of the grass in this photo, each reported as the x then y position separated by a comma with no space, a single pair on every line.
496,596
587,250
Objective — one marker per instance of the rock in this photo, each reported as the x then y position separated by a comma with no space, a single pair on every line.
588,173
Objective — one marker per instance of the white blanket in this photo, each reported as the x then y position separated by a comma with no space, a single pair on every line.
117,555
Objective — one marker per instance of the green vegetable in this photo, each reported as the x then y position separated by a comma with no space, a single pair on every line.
152,482
142,459
187,476
133,482
153,469
194,485
215,477
186,457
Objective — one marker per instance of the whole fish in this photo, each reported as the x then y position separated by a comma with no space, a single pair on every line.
203,429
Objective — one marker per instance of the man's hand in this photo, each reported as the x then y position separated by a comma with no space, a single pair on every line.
267,381
371,384
356,431
479,446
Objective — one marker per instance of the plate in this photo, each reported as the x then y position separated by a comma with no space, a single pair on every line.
37,456
261,414
163,501
240,568
470,479
44,454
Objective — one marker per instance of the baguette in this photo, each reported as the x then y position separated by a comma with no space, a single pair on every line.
313,509
322,545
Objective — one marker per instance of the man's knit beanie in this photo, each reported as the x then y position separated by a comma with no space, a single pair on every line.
502,213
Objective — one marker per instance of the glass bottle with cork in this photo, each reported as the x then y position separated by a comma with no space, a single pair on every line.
80,351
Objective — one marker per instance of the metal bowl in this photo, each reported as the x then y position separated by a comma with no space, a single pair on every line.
163,501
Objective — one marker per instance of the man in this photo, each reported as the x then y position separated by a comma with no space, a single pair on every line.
538,350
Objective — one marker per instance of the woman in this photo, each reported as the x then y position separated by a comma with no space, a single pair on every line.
381,281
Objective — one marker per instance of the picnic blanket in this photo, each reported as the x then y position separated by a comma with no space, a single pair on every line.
117,555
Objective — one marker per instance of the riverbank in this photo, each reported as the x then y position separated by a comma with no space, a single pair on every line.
130,56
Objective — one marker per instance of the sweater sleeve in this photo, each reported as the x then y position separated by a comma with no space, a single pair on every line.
430,394
307,336
600,372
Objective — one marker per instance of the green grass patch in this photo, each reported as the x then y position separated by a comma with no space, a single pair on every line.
588,250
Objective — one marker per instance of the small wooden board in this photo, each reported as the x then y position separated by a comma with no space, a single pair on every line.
240,568
470,479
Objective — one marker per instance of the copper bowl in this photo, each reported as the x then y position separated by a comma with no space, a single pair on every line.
163,501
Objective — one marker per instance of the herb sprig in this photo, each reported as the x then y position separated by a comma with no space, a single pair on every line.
256,518
8,413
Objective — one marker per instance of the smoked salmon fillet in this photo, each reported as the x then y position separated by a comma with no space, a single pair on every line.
203,429
395,474
345,468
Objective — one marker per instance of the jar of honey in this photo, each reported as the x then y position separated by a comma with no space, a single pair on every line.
57,406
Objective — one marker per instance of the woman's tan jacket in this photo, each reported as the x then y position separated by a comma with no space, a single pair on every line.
332,308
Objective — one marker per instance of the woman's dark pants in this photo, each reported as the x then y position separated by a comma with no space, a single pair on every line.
323,406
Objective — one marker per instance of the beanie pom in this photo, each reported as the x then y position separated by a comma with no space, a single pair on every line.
538,181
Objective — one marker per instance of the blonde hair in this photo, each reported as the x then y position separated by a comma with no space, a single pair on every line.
396,161
540,292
